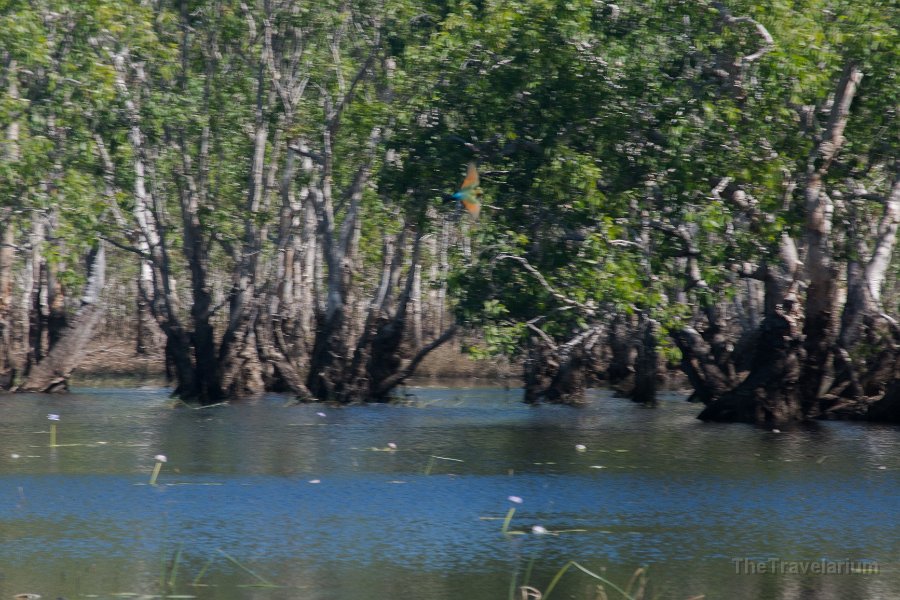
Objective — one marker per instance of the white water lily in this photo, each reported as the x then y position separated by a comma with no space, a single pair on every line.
580,448
515,500
53,417
539,530
321,414
160,458
392,445
14,455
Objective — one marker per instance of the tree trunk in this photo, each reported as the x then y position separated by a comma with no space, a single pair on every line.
32,309
7,244
56,306
770,393
558,374
53,372
790,370
144,327
647,364
622,355
821,312
240,363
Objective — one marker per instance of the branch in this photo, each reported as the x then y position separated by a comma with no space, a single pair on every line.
541,333
695,278
109,181
126,247
588,310
355,192
878,265
768,41
397,378
304,151
833,137
334,118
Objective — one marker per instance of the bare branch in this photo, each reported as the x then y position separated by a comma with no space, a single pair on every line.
403,374
768,41
588,310
540,332
335,113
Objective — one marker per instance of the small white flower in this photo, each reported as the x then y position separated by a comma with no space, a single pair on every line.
160,458
580,447
14,455
776,431
392,445
539,530
515,499
53,417
321,414
315,481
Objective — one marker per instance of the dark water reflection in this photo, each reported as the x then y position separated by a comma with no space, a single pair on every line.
653,487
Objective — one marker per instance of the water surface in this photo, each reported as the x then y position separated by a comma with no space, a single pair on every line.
320,507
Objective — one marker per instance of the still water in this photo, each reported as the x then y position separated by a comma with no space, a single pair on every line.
274,502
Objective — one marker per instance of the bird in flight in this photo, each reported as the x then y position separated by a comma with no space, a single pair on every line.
469,193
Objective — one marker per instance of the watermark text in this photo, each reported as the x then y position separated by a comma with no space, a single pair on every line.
779,566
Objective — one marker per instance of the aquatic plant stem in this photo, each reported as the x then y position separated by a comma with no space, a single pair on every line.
572,563
509,515
202,572
174,572
512,585
526,580
262,579
156,469
53,435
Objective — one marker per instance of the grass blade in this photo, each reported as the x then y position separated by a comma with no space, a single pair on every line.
599,578
259,577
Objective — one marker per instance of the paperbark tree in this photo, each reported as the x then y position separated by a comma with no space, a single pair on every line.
52,373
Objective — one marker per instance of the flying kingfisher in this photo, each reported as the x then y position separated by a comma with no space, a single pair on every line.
469,193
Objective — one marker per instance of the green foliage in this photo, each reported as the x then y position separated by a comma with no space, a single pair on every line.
590,122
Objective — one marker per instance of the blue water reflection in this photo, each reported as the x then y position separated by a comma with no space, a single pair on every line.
323,505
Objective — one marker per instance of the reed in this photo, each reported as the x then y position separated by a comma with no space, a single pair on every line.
504,529
53,420
263,582
599,578
160,460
